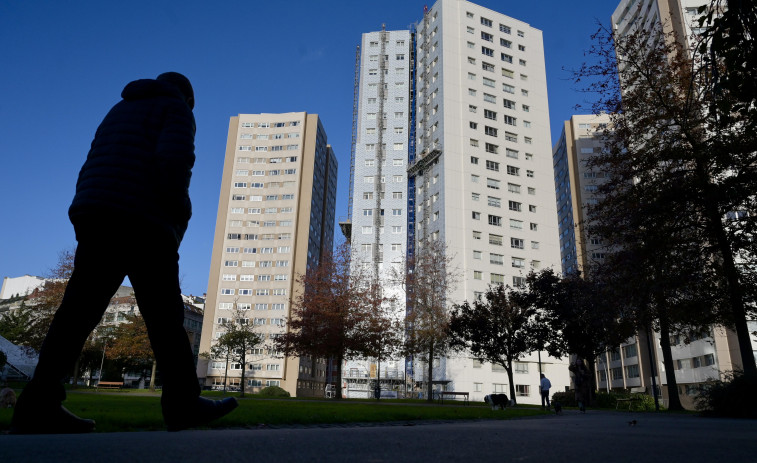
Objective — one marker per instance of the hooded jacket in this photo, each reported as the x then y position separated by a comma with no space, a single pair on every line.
140,163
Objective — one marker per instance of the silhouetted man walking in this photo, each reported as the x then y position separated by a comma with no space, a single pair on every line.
130,213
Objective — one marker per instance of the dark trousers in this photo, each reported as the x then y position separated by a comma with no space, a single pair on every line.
545,398
103,258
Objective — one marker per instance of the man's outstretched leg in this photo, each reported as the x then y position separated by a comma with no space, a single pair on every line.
156,286
39,409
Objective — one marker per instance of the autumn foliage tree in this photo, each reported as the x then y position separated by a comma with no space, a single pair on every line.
328,311
129,346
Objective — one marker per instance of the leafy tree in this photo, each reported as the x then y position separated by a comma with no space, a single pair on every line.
129,345
681,181
235,344
428,279
379,331
578,316
500,330
326,311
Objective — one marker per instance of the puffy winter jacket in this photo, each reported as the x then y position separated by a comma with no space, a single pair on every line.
139,166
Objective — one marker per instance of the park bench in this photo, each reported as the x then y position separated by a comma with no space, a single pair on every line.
453,394
637,395
109,385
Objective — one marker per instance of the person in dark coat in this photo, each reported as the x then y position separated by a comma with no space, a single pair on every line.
130,213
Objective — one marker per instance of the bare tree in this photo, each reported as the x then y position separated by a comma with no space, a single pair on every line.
428,279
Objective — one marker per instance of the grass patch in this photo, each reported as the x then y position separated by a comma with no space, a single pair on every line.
127,412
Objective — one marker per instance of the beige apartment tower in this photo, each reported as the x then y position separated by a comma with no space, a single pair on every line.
275,219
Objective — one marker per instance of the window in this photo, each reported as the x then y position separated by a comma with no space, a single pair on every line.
490,114
496,259
474,178
495,220
526,124
630,351
519,282
486,36
509,120
516,224
632,371
487,66
534,245
531,208
477,255
491,148
473,125
476,215
487,51
516,243
492,183
397,230
494,202
491,131
396,195
534,227
486,22
517,262
514,206
476,235
505,29
490,98
512,170
506,58
491,165
473,160
496,278
477,275
488,82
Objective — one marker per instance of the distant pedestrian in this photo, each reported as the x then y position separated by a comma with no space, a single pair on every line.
544,386
130,213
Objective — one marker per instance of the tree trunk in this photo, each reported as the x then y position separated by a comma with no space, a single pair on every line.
430,384
674,402
735,291
338,386
244,367
509,370
152,375
226,372
75,381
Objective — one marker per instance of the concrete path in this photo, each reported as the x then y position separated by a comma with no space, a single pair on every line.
602,437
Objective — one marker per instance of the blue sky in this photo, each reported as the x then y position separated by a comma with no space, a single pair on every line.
64,65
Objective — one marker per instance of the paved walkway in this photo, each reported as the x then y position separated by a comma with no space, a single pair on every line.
601,437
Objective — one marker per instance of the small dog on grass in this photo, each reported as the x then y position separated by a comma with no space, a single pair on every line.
497,401
558,407
7,398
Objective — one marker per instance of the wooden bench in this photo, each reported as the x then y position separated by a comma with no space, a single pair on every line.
637,394
109,385
454,394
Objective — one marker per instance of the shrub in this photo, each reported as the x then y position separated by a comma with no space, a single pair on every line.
273,391
642,402
732,397
566,399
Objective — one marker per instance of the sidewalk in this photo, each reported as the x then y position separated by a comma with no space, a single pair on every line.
601,437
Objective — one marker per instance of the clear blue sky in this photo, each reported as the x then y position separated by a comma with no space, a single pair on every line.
64,65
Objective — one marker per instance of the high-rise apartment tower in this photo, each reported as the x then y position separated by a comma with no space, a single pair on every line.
275,219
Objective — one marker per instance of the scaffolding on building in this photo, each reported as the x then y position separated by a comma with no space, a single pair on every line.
346,224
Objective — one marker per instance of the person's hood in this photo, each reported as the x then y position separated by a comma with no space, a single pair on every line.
150,88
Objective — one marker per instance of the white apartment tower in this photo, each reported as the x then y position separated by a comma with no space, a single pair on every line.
379,201
482,178
275,219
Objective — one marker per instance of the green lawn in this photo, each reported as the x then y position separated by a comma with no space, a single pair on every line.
119,411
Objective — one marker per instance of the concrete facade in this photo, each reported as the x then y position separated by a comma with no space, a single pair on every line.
483,178
275,218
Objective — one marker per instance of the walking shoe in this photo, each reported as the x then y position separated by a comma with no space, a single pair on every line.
202,412
51,419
